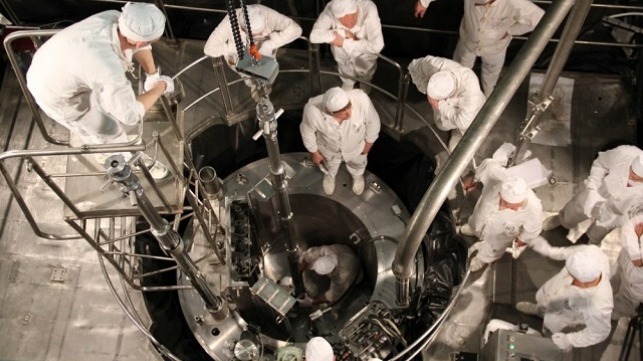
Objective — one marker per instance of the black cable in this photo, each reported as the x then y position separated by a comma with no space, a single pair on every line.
244,11
234,25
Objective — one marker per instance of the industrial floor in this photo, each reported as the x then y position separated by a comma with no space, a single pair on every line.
55,304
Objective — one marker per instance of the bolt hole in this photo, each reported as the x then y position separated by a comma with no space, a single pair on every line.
215,331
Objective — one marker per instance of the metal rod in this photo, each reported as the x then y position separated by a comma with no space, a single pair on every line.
167,237
473,138
267,121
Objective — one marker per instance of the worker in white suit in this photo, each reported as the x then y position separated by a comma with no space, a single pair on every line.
340,126
270,31
507,214
337,262
318,349
452,90
486,30
576,304
630,263
613,189
78,76
354,31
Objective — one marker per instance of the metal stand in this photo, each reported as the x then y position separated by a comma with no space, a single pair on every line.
636,324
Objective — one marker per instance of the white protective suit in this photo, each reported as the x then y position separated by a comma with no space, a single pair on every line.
608,194
357,58
566,307
495,228
347,272
456,113
486,31
278,31
341,142
78,79
630,293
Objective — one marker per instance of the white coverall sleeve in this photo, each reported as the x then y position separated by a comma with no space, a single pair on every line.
541,246
533,226
311,116
630,241
115,92
372,120
490,171
220,41
426,3
422,69
526,16
374,41
600,168
285,29
323,31
461,115
597,326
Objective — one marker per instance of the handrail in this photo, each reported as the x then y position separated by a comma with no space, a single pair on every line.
23,82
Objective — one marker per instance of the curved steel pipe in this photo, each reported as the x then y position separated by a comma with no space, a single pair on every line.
473,138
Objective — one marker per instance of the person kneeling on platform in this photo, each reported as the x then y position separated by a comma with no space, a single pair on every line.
336,262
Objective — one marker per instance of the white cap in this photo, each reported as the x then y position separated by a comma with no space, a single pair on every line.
325,264
318,349
141,22
257,22
441,85
584,264
637,165
513,190
335,99
341,8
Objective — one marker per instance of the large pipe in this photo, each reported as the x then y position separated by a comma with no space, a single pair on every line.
473,138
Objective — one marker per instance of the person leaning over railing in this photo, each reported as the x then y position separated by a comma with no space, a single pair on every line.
270,31
78,76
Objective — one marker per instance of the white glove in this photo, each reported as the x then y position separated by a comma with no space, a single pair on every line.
593,203
169,84
561,340
267,49
504,152
150,80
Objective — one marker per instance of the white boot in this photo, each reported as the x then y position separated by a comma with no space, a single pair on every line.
551,222
466,230
528,308
328,184
358,184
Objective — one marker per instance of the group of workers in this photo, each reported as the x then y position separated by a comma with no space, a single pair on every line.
576,304
78,78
